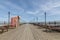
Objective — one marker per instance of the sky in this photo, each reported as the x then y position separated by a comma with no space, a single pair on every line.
30,10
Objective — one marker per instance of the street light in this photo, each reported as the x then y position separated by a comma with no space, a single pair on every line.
8,18
45,18
37,19
45,21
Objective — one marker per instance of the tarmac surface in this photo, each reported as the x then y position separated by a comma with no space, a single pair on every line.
29,32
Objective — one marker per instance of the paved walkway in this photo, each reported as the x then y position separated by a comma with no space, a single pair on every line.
28,32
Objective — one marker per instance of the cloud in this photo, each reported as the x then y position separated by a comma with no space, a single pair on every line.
32,8
33,13
50,5
2,6
54,12
13,6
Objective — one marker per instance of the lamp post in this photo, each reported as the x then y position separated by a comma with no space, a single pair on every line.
45,21
8,19
37,19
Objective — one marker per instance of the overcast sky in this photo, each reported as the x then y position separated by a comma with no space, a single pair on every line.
30,10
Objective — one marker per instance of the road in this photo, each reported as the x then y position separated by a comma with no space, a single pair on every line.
29,32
